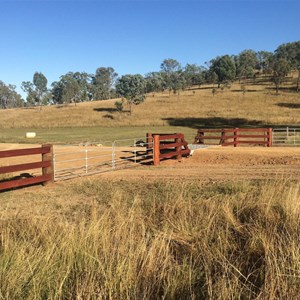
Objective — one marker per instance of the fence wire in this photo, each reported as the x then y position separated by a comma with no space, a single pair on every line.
286,136
87,159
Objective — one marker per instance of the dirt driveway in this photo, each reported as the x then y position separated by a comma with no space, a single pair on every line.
223,163
216,163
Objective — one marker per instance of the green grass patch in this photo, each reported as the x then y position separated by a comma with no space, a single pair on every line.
91,134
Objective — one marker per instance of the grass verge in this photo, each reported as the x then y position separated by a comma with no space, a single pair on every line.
151,240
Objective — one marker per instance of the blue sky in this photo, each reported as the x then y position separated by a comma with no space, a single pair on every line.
55,37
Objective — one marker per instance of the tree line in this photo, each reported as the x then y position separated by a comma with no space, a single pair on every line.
75,87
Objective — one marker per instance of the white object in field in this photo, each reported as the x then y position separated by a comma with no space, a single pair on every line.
30,135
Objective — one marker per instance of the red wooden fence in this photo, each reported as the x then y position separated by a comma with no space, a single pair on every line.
235,136
167,146
46,164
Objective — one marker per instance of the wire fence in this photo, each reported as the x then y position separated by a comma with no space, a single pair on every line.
70,161
286,137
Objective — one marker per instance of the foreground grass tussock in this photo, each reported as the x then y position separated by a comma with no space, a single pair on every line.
157,241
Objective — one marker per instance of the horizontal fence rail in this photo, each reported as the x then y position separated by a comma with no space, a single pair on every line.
45,164
288,136
235,136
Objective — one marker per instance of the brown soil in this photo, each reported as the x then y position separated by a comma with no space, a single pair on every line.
216,163
220,163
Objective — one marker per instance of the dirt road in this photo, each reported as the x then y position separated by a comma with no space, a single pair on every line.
223,163
216,163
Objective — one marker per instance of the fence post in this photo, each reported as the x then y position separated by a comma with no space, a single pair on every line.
156,150
179,147
270,135
236,139
48,157
149,144
223,137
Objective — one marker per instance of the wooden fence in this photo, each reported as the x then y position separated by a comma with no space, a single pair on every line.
46,164
235,136
167,146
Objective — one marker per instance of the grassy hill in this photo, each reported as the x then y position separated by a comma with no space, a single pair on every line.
194,108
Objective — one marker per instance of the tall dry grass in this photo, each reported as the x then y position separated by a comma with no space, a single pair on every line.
154,240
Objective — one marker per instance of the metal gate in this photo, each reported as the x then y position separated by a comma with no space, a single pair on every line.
286,136
72,161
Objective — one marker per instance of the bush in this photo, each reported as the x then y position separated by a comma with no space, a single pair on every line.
119,105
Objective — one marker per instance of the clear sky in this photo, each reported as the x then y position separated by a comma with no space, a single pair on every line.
134,36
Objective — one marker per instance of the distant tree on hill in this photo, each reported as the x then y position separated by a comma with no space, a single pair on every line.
9,97
280,69
246,63
154,82
291,53
263,58
172,74
131,87
210,76
224,68
72,87
193,75
103,82
37,91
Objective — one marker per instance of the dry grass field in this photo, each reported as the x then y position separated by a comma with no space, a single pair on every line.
192,109
259,106
222,224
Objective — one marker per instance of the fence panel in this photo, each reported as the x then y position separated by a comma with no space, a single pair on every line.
235,137
169,146
286,136
89,159
45,165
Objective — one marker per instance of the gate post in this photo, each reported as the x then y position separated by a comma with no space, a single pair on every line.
236,139
48,157
178,149
270,136
156,150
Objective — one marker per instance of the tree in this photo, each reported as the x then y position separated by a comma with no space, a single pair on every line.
291,53
40,82
154,82
280,69
57,91
170,66
224,68
37,92
193,75
103,82
9,97
28,87
246,63
72,87
263,58
172,75
131,87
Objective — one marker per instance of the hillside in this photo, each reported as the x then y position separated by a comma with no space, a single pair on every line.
198,107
